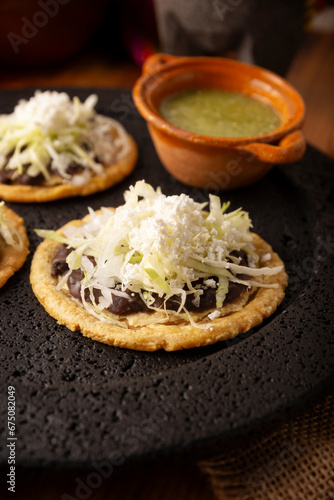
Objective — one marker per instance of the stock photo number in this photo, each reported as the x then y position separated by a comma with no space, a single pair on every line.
11,438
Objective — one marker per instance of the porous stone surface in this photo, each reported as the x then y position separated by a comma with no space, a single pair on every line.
79,401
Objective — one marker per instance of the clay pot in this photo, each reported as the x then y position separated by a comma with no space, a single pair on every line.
219,163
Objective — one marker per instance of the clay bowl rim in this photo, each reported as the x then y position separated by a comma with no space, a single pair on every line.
171,66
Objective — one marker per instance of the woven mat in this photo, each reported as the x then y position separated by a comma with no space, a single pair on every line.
295,462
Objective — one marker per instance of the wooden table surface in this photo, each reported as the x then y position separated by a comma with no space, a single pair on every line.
312,73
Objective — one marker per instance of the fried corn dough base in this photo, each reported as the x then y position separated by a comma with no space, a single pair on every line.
113,174
249,310
11,258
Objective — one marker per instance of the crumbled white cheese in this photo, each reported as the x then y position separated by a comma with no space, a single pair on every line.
80,179
214,315
54,111
266,257
210,283
50,131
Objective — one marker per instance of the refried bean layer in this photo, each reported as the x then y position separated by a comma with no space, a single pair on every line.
133,303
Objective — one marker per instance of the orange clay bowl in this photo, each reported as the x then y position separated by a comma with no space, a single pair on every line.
219,163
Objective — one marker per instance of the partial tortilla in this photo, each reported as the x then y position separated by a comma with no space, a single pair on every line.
136,331
11,257
112,175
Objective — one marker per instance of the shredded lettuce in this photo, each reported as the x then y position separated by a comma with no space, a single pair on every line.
49,132
158,245
8,232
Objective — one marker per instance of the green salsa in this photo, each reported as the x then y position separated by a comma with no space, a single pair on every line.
219,113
